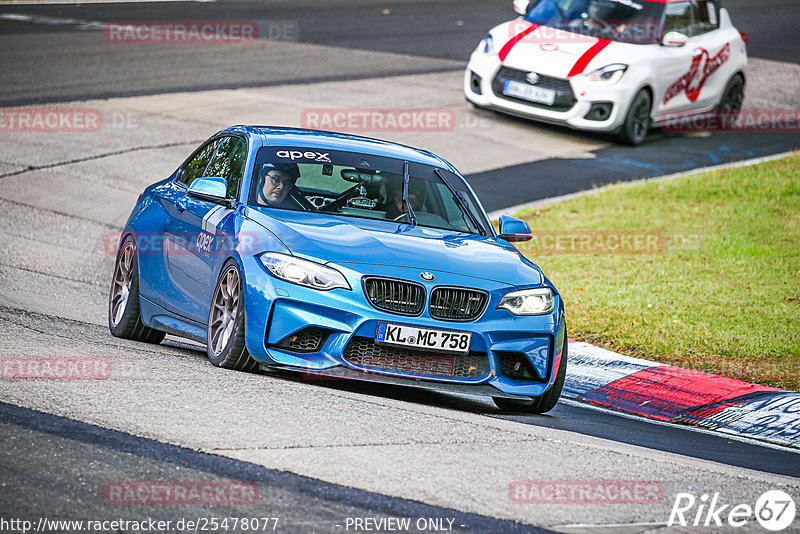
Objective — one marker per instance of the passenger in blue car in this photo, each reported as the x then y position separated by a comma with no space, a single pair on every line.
276,181
392,196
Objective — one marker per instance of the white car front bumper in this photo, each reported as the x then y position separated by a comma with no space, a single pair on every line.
486,66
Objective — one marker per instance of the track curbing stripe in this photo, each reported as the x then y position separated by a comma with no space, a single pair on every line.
672,394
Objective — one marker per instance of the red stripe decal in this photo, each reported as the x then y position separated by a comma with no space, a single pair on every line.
514,40
588,56
665,392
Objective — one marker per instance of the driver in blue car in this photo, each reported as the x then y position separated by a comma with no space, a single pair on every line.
276,183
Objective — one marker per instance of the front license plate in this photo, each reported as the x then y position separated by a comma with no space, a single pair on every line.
423,338
529,92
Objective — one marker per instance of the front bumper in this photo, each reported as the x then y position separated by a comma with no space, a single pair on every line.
277,311
575,101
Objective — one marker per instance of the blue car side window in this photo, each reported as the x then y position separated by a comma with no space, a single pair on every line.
196,166
228,163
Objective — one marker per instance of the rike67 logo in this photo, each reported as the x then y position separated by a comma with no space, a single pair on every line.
774,510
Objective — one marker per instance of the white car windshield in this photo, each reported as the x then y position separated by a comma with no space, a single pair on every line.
629,21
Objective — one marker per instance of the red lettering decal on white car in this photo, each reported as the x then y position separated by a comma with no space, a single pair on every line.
701,68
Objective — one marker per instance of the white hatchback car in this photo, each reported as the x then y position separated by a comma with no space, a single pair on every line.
610,65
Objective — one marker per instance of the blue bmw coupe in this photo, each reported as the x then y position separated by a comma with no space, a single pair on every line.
339,256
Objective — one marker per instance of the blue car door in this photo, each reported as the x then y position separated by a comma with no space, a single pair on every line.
159,241
196,230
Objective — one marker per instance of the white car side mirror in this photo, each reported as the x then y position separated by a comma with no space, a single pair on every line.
674,39
521,6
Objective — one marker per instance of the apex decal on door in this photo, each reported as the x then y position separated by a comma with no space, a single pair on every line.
699,71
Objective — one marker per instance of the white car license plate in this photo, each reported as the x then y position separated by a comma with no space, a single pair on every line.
423,338
529,92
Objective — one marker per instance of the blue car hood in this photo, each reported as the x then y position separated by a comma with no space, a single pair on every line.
335,239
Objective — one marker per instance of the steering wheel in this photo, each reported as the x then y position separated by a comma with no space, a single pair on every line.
340,200
298,196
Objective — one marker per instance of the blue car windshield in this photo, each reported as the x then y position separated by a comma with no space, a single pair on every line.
364,186
627,21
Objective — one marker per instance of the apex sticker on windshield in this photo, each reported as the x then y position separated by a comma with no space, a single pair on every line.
320,157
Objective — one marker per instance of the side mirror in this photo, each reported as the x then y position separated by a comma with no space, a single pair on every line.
514,230
521,6
675,39
211,189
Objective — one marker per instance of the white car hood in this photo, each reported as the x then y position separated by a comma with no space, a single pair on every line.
557,53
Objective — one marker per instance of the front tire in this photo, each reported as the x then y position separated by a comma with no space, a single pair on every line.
225,344
544,403
637,120
124,317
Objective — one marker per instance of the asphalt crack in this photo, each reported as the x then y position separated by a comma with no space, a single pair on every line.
67,278
87,332
31,168
61,213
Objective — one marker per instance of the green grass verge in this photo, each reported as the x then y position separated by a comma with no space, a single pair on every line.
722,294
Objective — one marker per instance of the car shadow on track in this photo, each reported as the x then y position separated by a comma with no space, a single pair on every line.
472,403
655,134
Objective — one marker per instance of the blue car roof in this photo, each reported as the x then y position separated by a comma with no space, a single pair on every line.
301,137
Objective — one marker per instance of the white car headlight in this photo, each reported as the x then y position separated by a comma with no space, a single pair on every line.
528,301
303,272
487,44
608,75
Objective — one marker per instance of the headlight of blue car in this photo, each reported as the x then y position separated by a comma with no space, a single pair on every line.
528,301
303,272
